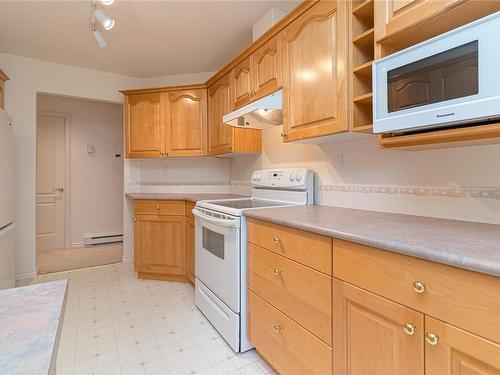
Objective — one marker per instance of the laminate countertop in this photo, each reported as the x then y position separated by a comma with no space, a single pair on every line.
30,324
192,197
468,245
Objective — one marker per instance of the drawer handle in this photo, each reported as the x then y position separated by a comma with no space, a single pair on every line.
409,328
135,219
277,328
418,287
157,207
276,240
276,271
432,338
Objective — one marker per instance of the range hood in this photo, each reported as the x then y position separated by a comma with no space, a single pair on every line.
260,114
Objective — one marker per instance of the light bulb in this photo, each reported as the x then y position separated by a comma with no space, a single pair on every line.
101,42
103,18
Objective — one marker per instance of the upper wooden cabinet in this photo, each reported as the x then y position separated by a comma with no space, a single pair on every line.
170,122
186,123
144,124
225,139
3,78
258,75
314,73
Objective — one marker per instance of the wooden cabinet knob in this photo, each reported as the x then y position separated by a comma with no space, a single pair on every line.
277,328
157,207
418,287
135,219
276,240
409,329
432,338
276,271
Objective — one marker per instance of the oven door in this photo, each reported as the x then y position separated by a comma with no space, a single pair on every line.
217,256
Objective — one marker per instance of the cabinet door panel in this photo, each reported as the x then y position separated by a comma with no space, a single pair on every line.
186,124
160,244
144,126
266,68
369,335
242,83
459,352
314,86
219,104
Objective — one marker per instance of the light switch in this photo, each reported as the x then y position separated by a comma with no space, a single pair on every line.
90,149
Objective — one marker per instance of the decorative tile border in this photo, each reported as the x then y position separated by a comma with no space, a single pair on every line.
450,192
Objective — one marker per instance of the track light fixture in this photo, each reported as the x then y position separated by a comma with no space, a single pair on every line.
98,15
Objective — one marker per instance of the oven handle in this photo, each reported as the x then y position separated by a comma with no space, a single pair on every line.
213,220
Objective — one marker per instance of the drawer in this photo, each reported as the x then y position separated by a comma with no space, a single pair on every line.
307,248
303,294
286,345
450,294
151,207
189,209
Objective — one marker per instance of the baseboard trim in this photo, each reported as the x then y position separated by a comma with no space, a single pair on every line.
128,260
25,276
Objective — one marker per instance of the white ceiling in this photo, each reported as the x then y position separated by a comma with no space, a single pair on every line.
151,38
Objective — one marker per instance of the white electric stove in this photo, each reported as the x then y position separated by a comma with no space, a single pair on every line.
221,247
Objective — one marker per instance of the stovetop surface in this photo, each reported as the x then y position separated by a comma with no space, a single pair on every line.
248,203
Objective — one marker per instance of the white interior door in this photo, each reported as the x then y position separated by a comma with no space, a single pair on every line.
50,204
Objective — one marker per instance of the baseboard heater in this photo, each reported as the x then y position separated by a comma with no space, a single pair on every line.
103,240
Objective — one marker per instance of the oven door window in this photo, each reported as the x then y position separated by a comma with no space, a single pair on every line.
447,75
213,242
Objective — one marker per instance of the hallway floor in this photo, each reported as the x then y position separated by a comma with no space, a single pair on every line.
116,324
50,261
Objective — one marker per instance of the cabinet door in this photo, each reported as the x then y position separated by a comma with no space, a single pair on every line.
219,104
186,123
160,244
452,351
144,126
400,15
372,335
266,69
314,76
190,248
242,83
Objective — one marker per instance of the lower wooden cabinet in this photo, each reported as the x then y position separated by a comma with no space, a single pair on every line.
452,351
373,335
190,236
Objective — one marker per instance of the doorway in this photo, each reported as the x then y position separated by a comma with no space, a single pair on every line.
79,183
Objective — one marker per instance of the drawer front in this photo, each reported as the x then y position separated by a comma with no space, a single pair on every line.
286,345
307,248
447,293
189,209
303,294
152,207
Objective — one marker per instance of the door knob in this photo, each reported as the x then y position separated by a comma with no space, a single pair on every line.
60,190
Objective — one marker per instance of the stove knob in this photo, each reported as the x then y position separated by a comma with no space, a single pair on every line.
292,177
298,176
259,177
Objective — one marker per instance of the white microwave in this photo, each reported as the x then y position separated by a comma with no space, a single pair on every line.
449,80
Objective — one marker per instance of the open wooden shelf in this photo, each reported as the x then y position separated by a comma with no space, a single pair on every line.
365,39
364,69
444,138
364,10
365,98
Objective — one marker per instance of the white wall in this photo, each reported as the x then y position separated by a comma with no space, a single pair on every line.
27,77
457,183
96,181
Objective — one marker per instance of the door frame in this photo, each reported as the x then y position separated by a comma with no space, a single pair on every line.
67,171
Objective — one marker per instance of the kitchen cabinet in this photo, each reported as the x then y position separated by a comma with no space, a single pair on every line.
225,139
3,78
315,92
160,240
144,125
453,351
166,122
373,335
186,123
259,74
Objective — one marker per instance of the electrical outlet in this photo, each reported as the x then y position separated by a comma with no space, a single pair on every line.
342,159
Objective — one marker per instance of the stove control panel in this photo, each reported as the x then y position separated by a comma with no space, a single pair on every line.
284,178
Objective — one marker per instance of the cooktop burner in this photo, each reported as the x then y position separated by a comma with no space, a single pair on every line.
248,203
